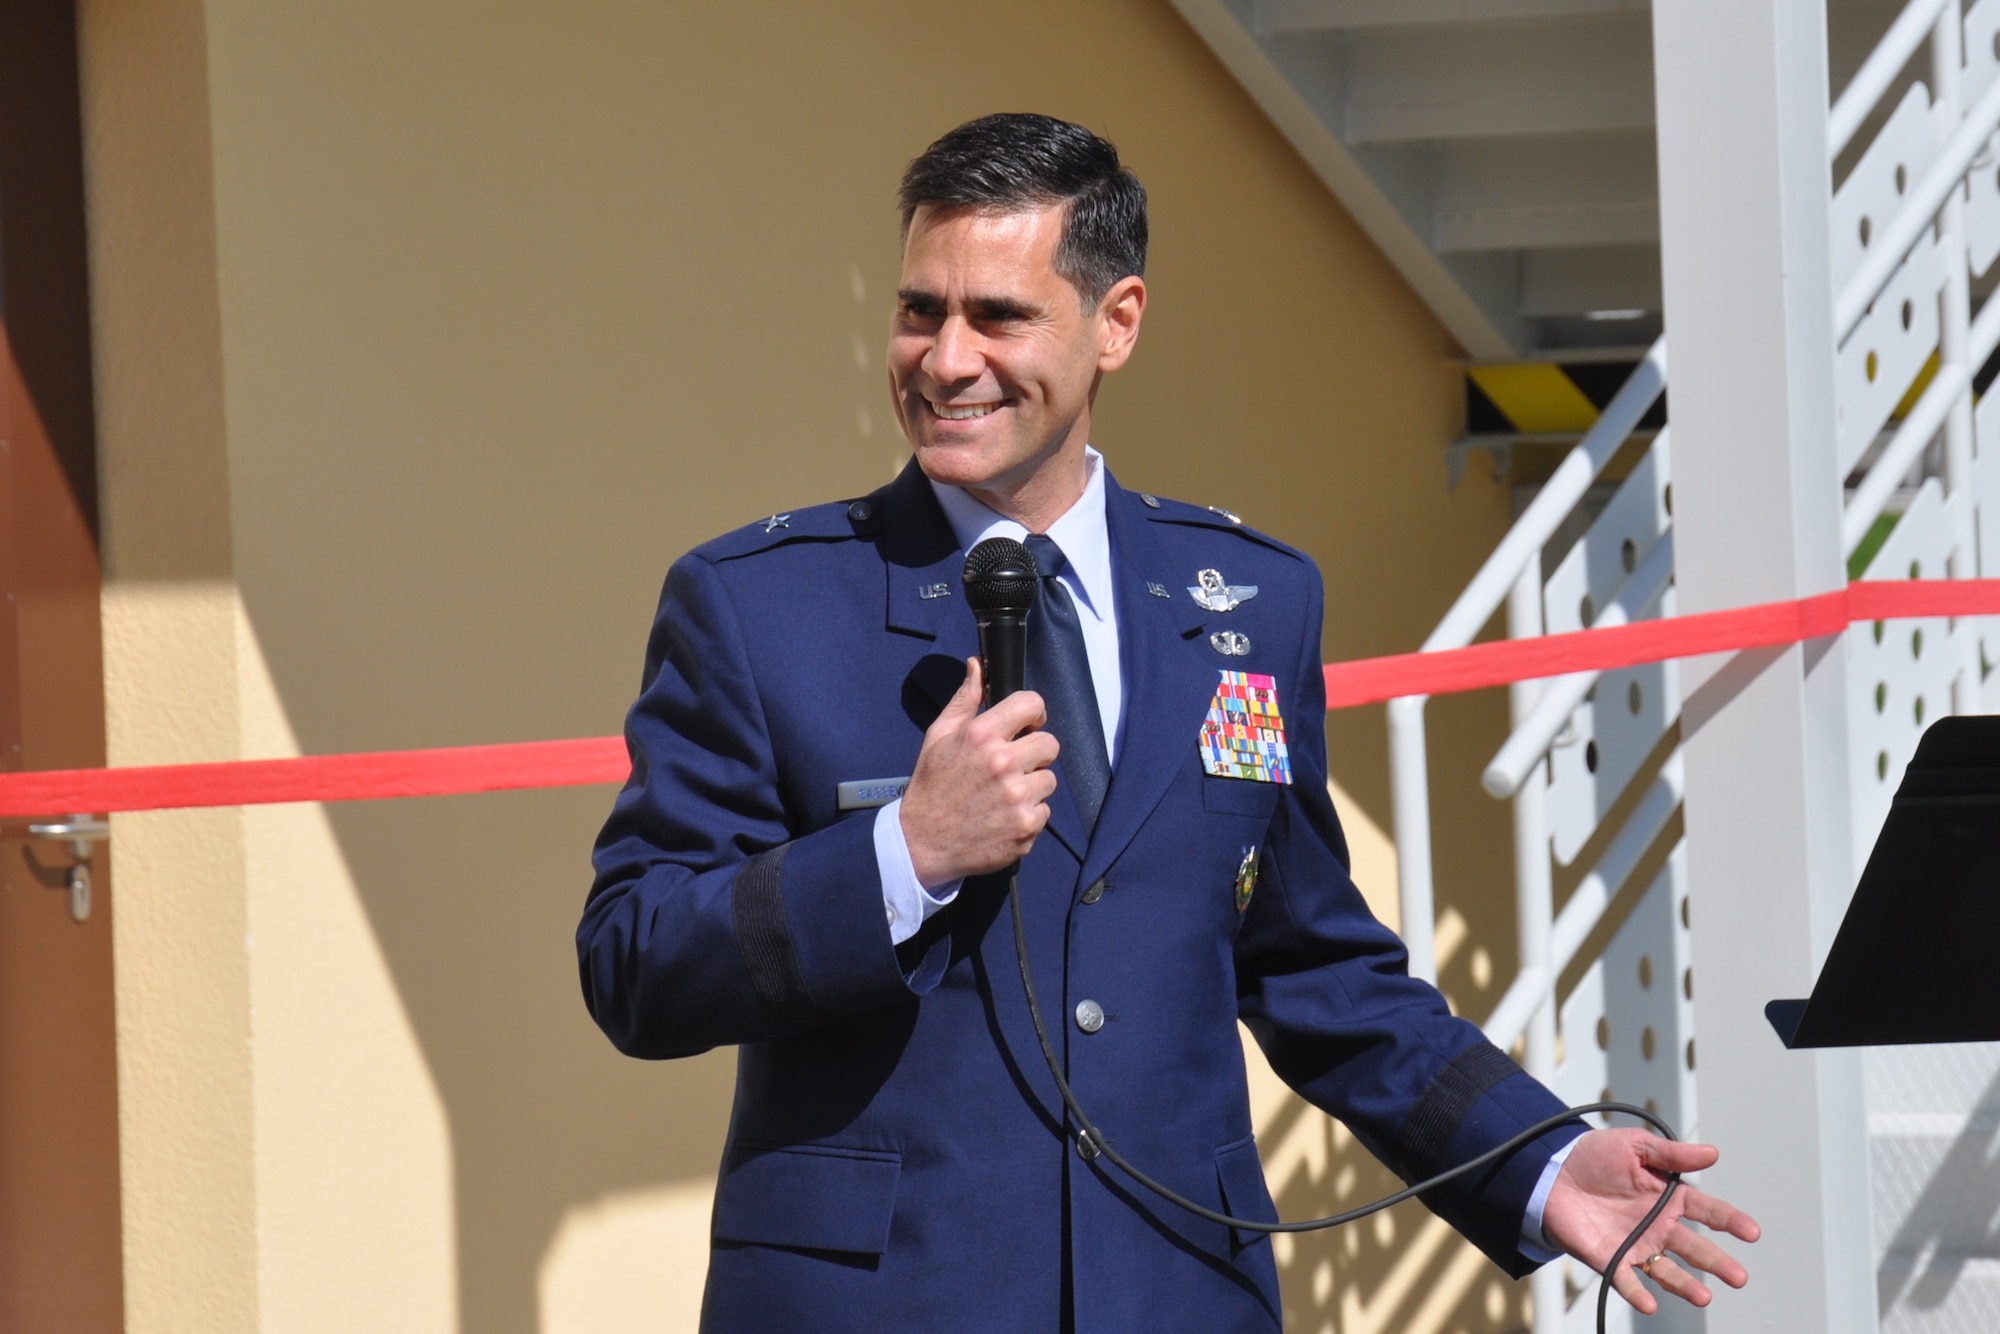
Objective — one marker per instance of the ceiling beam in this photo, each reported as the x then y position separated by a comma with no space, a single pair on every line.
1283,16
1545,191
1409,252
1576,75
1557,283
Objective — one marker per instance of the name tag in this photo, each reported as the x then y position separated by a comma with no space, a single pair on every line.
862,794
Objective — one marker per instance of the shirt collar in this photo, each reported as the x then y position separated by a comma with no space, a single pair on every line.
1081,531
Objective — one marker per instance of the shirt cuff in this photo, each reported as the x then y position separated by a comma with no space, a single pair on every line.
1535,1243
904,897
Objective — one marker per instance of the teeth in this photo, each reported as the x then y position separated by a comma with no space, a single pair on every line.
965,412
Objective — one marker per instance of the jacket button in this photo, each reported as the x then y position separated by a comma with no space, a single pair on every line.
1089,1016
1086,1147
1094,892
859,511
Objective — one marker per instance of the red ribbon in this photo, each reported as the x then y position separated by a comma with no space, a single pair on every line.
537,764
1372,680
362,777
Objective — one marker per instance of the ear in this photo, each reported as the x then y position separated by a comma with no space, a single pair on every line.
1118,317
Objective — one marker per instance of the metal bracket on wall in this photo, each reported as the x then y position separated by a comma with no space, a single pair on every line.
82,833
1458,456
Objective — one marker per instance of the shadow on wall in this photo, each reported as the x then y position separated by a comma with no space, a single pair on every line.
544,1116
1402,1269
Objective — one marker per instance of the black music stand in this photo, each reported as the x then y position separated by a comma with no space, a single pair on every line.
1918,952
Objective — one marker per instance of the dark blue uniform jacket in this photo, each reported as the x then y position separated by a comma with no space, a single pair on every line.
898,1158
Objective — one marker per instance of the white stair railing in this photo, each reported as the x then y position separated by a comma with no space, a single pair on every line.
1915,218
1623,564
1498,580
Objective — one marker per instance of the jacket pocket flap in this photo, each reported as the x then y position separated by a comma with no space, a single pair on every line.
1238,796
1240,1173
817,1198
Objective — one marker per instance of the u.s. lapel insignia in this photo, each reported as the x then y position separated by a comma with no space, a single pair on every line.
1229,643
1211,592
1157,590
1244,734
931,592
1246,878
777,521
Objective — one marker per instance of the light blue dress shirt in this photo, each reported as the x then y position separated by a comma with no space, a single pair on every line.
1085,540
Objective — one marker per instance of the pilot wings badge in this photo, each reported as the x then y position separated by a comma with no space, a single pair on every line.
1212,592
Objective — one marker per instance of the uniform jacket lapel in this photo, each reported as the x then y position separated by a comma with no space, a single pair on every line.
1168,681
919,553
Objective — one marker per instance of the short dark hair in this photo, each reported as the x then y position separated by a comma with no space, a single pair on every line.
1018,160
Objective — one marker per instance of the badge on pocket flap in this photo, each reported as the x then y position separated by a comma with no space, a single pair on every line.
1244,734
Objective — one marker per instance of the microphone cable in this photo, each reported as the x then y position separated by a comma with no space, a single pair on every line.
1090,1134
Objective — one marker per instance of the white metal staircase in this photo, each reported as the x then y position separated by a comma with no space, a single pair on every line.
1501,154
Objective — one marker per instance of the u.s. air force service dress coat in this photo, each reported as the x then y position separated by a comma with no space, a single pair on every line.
898,1157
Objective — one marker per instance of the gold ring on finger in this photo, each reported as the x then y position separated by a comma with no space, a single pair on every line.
1651,1260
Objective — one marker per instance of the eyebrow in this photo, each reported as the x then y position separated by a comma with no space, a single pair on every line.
980,307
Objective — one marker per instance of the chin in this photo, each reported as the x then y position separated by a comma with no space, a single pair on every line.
955,464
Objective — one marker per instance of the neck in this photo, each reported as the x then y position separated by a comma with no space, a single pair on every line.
1044,495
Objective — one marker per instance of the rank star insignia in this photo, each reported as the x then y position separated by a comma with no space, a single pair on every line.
1212,592
1246,879
777,521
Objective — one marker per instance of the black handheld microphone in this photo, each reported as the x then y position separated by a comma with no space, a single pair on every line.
1000,583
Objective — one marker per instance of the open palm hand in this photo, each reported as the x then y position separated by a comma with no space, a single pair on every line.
1608,1183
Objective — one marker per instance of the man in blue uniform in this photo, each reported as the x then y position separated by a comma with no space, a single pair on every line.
808,861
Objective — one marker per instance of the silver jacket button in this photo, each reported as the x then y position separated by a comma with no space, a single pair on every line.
1089,1016
1094,891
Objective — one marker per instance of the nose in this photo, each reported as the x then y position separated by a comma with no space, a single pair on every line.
955,354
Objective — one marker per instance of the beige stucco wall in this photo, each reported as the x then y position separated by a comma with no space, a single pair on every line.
428,334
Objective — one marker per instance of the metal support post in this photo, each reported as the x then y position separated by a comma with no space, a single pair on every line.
1534,903
1744,191
1410,797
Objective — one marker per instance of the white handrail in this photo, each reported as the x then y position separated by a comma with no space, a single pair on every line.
1876,489
1872,80
1510,766
1588,901
1538,523
1529,992
1926,198
1409,763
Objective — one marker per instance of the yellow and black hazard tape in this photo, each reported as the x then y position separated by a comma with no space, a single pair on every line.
1564,398
1546,398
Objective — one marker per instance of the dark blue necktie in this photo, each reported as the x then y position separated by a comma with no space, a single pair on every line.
1059,671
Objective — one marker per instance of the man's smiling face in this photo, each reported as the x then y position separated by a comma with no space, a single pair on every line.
994,359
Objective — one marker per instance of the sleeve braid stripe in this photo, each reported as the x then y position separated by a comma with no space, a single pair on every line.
1452,1094
763,935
